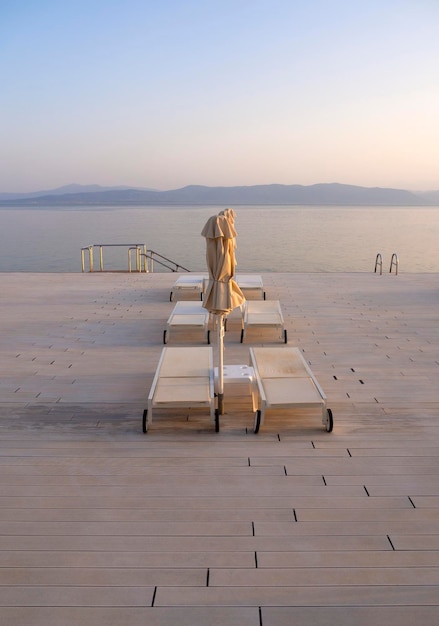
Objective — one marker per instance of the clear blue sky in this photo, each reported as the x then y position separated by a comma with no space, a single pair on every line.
167,93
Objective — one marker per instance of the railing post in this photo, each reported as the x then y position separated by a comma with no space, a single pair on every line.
129,259
101,258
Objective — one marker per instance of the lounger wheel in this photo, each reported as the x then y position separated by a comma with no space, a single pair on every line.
242,335
144,421
216,421
285,336
208,336
257,422
329,425
170,296
165,338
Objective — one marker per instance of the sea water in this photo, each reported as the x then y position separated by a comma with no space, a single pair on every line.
270,238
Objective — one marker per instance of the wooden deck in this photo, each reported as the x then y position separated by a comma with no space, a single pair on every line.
101,524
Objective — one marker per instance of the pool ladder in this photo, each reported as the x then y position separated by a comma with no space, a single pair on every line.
394,262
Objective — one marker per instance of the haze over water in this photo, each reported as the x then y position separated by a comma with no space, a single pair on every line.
270,239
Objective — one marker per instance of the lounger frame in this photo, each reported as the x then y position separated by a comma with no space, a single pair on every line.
184,378
189,284
251,285
188,314
260,314
285,380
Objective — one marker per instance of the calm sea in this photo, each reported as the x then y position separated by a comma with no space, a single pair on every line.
270,238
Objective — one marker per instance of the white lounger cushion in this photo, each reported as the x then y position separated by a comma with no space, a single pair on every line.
192,319
186,362
280,362
291,392
187,391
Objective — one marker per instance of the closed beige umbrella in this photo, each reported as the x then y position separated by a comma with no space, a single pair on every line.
222,293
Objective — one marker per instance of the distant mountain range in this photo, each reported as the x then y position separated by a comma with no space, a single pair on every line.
62,191
320,194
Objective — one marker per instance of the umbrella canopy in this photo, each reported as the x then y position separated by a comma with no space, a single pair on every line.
222,294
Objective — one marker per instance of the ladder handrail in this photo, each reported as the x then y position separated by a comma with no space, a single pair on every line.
394,262
153,256
379,261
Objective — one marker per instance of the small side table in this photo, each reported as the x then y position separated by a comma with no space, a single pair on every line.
238,374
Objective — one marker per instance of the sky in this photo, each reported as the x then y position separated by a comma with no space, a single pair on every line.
167,93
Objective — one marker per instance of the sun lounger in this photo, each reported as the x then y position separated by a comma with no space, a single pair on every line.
284,380
189,284
187,315
184,378
263,314
251,285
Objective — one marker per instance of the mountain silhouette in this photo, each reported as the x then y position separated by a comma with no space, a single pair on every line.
331,194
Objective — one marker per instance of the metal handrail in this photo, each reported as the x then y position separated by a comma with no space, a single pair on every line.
156,256
101,247
144,259
394,262
151,256
379,262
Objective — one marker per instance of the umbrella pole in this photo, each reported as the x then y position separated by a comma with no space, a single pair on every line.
221,364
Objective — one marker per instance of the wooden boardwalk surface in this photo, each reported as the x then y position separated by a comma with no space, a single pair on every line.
101,524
